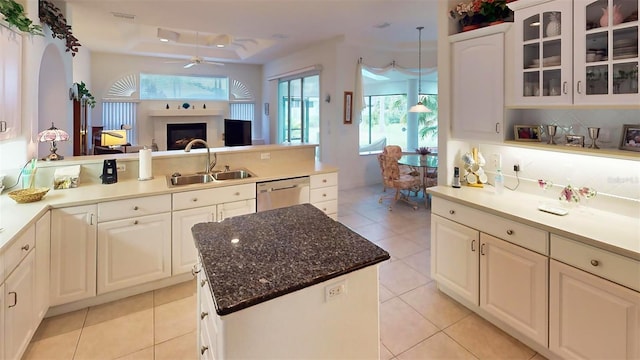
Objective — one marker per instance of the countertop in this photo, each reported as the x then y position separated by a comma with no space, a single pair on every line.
618,233
14,217
278,252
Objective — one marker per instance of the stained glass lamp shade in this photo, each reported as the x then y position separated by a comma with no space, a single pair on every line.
53,135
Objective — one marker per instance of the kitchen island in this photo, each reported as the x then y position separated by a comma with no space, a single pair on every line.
287,283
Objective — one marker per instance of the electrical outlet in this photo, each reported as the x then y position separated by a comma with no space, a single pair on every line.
265,156
496,161
121,167
516,167
335,290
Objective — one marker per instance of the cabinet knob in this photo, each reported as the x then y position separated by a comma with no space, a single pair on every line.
564,87
203,349
324,209
595,262
452,212
578,87
324,180
135,222
203,315
237,194
482,249
509,232
203,282
195,269
324,195
25,248
473,245
194,199
497,128
135,208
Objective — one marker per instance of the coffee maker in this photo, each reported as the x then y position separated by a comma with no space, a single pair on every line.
109,172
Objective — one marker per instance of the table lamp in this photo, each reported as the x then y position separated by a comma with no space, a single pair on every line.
52,135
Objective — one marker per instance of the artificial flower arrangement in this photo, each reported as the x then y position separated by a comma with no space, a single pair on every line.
423,150
477,12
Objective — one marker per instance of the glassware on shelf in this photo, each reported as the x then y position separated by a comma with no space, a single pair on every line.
594,132
551,132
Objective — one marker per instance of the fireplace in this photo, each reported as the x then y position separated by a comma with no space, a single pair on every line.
179,135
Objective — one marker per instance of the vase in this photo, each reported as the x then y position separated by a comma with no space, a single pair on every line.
553,26
617,17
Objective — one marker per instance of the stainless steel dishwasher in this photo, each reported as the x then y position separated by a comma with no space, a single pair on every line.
282,193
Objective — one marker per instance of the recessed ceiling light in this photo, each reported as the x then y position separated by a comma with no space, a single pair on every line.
220,45
164,40
382,25
123,15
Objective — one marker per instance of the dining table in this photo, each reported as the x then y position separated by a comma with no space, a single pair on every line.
426,164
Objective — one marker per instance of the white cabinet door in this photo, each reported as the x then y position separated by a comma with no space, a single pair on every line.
43,262
478,95
184,253
235,208
73,254
611,76
2,327
19,315
454,257
544,54
513,286
133,251
10,80
591,318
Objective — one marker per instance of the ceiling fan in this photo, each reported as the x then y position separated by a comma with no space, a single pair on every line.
197,60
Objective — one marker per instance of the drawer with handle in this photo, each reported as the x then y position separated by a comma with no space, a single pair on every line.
512,231
617,268
323,180
213,196
18,251
124,209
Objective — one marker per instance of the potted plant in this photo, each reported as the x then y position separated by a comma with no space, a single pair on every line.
13,13
477,13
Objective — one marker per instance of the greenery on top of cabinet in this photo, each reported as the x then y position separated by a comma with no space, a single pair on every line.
13,13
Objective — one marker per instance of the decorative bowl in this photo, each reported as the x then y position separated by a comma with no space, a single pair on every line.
28,195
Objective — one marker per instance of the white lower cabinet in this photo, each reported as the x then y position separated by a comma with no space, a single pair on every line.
190,208
454,260
43,263
133,251
73,254
2,328
20,324
513,286
323,193
590,317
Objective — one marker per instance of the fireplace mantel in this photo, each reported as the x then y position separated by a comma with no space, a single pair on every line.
186,112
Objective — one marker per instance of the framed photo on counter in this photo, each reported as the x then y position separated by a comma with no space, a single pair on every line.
527,132
575,140
630,137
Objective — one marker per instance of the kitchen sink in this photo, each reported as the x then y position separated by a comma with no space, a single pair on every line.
231,174
178,179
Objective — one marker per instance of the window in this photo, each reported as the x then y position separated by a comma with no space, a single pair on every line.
180,87
299,114
242,111
384,122
116,115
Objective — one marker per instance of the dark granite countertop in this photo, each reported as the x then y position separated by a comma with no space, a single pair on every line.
278,252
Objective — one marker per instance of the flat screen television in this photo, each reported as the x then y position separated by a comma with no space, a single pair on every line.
237,132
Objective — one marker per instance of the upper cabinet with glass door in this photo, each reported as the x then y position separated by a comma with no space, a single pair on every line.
543,54
606,52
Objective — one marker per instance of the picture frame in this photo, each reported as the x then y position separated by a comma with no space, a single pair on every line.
575,140
630,139
348,107
527,132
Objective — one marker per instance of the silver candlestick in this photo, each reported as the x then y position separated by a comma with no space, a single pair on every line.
551,131
594,132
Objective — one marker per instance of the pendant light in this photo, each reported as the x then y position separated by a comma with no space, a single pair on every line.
419,107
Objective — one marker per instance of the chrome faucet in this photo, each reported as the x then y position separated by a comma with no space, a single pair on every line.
209,165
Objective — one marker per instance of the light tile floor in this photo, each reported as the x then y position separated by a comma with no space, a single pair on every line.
416,320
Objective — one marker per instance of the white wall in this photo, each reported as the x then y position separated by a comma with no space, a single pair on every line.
108,68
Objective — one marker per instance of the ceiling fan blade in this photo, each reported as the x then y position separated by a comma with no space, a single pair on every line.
189,65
